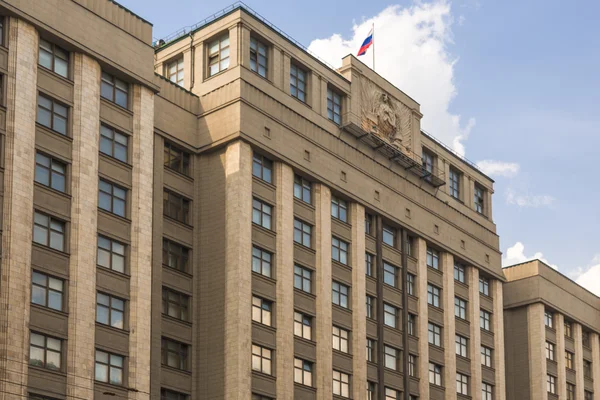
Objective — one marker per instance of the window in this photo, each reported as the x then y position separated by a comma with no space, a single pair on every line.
462,344
302,325
479,197
389,235
551,384
390,315
339,209
218,55
261,213
487,391
298,82
302,279
570,391
261,261
341,384
175,304
587,369
427,159
370,391
434,335
112,198
339,294
484,286
176,159
368,223
370,307
410,284
390,274
111,254
409,245
433,295
459,273
588,395
48,231
454,183
412,318
52,114
45,351
109,368
392,394
462,384
412,365
370,271
334,106
176,207
302,189
568,329
485,320
486,356
175,256
370,350
46,291
54,58
109,310
302,233
50,172
340,339
262,168
261,310
166,394
262,359
175,71
460,308
1,31
174,354
303,372
113,143
550,351
585,338
339,250
433,258
435,374
391,357
259,397
114,89
569,359
259,57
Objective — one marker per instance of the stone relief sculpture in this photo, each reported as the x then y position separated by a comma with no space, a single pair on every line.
385,116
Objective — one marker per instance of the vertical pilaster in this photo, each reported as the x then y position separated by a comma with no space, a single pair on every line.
579,380
84,216
596,361
284,176
17,211
474,331
141,243
323,376
234,46
422,320
498,326
359,298
238,278
449,326
245,46
537,351
561,384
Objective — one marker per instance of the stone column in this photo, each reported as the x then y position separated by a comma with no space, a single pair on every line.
498,326
474,330
84,216
422,319
244,46
579,381
17,214
322,242
595,361
234,46
449,326
537,351
359,299
140,301
238,274
559,356
284,259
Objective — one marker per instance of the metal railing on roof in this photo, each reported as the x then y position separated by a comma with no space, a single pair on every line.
238,4
451,150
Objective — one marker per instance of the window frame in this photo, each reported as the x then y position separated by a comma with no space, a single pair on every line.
172,152
179,253
262,359
454,185
341,339
459,273
262,168
550,384
108,81
339,209
433,295
305,369
339,250
302,189
433,258
258,57
569,360
111,309
462,384
262,311
262,214
550,351
112,253
387,233
410,284
461,346
262,261
303,278
115,200
52,173
114,143
53,115
484,286
180,350
341,384
435,372
299,75
332,96
391,357
343,294
479,199
302,233
370,305
486,356
390,271
181,204
217,56
369,261
487,391
180,302
177,63
460,308
303,325
47,289
434,334
49,230
485,320
390,313
110,367
46,350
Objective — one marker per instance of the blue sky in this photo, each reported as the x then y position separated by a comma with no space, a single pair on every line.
523,77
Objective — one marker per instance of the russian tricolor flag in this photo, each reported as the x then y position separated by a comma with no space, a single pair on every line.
366,44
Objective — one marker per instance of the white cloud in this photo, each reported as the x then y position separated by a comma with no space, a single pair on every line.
516,255
529,200
498,168
412,53
589,277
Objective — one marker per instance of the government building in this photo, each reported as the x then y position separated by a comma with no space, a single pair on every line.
222,215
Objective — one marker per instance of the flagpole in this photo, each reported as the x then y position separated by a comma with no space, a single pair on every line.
373,39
